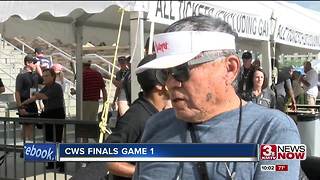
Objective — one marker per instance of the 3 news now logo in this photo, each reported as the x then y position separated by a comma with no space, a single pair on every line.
283,152
40,152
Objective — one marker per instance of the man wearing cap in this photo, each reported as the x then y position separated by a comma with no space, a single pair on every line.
153,99
284,90
26,84
43,62
245,75
197,60
120,94
92,84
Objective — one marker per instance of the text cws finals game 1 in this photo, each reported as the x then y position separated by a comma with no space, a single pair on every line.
163,152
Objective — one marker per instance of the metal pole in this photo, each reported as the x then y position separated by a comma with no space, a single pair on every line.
79,85
136,48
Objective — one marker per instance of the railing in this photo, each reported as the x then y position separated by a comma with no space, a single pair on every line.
103,60
14,167
55,47
4,41
23,45
11,78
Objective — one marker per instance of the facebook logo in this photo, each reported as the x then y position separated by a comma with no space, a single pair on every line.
40,152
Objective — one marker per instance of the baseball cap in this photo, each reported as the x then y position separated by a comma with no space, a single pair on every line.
247,55
122,59
30,58
175,48
38,50
86,60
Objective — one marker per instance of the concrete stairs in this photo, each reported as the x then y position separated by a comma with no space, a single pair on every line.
11,62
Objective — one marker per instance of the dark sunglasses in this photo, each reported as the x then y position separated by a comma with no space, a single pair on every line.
180,73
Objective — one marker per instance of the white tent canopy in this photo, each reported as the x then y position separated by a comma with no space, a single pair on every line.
296,27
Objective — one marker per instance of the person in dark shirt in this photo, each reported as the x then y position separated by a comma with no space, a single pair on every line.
26,84
245,75
120,97
52,96
153,99
284,90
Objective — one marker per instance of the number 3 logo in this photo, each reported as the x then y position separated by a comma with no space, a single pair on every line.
267,150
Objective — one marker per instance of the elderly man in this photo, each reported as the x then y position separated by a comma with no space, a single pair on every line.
197,59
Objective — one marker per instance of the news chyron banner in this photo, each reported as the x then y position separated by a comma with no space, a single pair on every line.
141,152
164,152
283,152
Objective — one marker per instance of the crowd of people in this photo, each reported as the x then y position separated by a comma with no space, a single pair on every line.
190,94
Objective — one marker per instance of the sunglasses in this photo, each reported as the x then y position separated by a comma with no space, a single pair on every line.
180,73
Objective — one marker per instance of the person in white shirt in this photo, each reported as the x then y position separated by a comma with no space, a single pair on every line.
310,81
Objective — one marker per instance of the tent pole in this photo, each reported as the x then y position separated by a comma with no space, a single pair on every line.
79,86
136,48
151,37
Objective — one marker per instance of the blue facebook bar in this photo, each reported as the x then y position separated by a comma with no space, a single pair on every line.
40,152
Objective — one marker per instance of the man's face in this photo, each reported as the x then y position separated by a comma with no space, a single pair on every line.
124,65
47,78
247,63
306,68
194,99
31,65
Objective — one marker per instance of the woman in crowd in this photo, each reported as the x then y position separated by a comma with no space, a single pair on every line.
52,96
261,94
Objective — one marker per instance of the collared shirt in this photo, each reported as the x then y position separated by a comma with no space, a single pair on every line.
259,125
92,84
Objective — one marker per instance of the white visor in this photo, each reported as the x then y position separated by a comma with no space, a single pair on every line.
176,48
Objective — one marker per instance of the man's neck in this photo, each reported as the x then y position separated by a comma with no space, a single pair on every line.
28,69
228,104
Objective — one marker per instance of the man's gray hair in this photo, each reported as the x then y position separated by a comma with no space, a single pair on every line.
205,23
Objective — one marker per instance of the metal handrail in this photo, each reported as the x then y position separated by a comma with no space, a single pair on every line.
102,59
12,45
51,45
11,90
101,69
23,44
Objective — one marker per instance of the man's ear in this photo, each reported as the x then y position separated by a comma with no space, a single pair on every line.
233,67
159,87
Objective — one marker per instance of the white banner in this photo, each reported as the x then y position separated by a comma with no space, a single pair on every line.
286,34
246,25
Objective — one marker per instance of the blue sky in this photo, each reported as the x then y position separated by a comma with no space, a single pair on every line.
314,5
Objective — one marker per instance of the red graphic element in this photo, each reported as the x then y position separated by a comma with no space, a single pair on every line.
161,46
268,152
282,167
